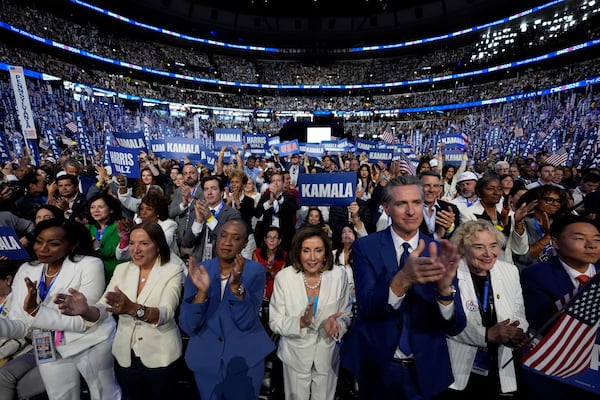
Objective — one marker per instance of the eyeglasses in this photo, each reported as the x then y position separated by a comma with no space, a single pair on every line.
272,237
551,200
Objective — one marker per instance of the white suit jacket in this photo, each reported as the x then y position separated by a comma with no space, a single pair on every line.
299,348
157,345
85,275
508,303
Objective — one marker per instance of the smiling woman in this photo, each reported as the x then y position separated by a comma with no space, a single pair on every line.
144,293
219,311
64,260
482,354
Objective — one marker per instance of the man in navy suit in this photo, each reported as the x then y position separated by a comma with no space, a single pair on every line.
577,242
440,218
397,346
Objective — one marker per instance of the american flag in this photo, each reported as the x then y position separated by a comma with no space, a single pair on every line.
559,158
407,165
387,135
567,349
71,126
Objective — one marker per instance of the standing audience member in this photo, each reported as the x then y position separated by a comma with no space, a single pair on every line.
310,310
577,243
491,294
105,212
551,202
144,293
65,260
209,216
276,208
406,304
181,208
272,257
219,311
440,218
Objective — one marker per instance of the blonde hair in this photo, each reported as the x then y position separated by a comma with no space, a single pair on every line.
466,233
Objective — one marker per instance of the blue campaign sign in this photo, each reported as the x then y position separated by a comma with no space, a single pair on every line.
335,189
131,140
365,145
228,137
384,155
4,150
289,148
314,150
10,247
124,161
257,144
178,147
273,141
334,146
452,155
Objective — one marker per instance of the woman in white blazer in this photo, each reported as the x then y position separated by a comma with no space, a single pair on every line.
62,250
145,293
491,295
310,310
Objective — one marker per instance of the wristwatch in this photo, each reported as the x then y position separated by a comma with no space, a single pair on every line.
449,297
240,292
141,312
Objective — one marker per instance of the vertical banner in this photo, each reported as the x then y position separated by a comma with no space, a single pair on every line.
34,151
85,145
4,149
19,86
53,144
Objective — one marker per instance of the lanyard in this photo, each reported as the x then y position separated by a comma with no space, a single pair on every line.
485,302
100,233
538,228
470,203
42,289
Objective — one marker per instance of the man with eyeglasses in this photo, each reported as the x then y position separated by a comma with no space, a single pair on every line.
440,218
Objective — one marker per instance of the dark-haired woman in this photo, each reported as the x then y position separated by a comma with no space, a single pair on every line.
67,348
105,212
550,202
154,207
310,311
144,293
271,256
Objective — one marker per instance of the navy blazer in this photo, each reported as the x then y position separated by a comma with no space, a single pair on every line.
221,330
543,284
370,345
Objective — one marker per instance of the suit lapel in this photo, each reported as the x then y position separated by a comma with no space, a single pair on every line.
388,253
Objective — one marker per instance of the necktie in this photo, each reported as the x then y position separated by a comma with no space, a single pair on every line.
213,212
404,255
404,343
582,279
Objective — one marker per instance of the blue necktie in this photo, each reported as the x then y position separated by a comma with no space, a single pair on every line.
404,343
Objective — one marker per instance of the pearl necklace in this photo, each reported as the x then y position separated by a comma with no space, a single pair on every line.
316,285
47,275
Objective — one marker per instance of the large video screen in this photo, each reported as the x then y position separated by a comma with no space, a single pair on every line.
317,134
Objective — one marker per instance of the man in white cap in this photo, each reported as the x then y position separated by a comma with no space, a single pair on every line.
466,188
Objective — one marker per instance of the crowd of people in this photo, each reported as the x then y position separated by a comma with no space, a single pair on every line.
254,282
426,286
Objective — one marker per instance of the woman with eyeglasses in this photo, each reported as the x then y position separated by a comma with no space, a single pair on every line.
551,202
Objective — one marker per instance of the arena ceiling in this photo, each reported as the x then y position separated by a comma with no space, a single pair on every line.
317,23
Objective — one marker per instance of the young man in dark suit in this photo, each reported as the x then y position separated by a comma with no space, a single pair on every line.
207,218
577,242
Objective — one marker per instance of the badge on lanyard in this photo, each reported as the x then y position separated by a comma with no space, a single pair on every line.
43,344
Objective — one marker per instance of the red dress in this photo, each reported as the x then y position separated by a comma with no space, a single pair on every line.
277,266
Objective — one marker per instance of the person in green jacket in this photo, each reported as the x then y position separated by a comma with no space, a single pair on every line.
105,212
